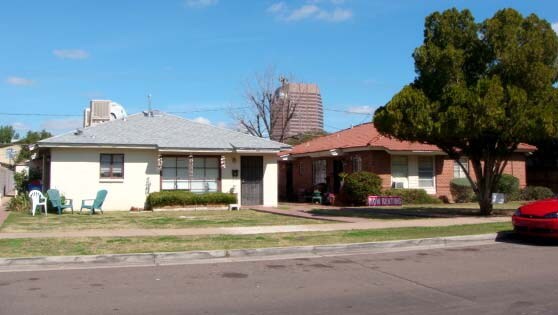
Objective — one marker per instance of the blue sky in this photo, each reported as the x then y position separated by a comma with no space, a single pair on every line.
196,56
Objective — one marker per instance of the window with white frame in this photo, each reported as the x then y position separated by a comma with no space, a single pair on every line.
319,170
426,171
458,172
197,174
357,163
399,171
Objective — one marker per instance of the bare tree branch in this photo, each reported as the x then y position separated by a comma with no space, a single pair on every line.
270,109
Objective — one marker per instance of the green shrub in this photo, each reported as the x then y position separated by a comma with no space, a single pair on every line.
359,185
412,196
19,203
21,180
461,190
186,198
535,193
508,185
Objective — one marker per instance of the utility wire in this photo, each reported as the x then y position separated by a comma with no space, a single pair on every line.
346,111
37,114
173,112
75,115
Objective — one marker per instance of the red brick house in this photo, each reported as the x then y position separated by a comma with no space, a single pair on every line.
400,164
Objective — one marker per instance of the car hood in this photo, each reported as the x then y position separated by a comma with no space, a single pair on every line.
540,208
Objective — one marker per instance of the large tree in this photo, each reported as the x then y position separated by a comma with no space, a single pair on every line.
31,137
7,133
481,89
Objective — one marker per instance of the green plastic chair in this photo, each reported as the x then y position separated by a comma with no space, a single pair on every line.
56,201
96,203
317,197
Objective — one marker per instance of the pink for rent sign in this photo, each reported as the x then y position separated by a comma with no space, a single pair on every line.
376,201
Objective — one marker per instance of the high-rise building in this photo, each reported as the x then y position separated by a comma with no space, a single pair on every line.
305,102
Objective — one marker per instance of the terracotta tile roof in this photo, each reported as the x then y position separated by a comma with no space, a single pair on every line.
365,135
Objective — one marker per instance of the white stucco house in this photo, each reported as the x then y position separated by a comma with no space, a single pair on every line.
149,152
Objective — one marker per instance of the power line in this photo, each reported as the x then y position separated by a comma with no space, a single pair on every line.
346,111
38,114
207,110
333,127
76,115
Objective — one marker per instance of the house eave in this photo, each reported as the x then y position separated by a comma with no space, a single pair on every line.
95,146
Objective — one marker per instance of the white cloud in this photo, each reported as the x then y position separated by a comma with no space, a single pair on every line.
200,3
277,7
19,81
202,120
337,15
365,109
555,27
62,124
303,12
20,126
313,9
71,53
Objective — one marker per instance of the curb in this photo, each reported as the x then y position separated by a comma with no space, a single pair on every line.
176,258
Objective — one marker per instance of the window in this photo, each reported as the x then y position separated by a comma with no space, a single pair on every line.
426,171
319,171
197,174
206,174
112,165
399,168
457,170
357,163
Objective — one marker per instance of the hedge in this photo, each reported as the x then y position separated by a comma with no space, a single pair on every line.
535,193
461,190
412,196
186,198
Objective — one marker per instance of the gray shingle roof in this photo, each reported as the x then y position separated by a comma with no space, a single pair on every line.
163,131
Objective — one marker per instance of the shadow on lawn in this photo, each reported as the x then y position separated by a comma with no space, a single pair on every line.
397,213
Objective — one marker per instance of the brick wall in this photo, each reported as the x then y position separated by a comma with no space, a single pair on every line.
444,173
379,162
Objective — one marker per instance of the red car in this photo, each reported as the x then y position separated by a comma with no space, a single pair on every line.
539,218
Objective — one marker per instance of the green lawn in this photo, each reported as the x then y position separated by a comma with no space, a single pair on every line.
417,211
113,245
24,222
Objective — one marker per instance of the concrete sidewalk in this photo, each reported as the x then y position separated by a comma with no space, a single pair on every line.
368,224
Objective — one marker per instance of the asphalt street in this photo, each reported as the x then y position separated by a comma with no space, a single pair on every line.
502,278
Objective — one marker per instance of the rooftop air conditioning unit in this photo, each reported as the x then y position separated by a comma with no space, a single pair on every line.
101,111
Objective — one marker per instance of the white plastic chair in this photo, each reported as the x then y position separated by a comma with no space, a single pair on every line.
37,199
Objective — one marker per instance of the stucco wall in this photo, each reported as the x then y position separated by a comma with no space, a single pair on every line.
229,182
270,180
75,172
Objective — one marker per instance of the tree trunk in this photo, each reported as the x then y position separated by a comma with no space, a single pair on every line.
485,201
483,189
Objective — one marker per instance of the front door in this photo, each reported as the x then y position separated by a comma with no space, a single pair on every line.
251,177
337,169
